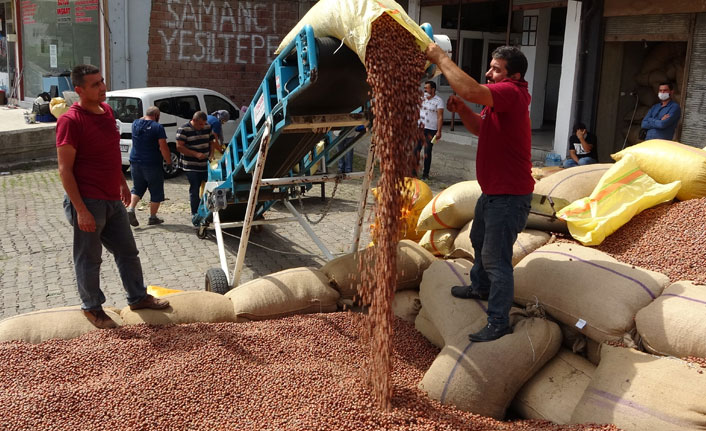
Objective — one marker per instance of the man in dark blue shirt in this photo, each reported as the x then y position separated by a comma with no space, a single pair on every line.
662,119
149,147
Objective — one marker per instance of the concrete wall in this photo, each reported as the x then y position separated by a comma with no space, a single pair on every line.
567,86
25,148
226,46
128,43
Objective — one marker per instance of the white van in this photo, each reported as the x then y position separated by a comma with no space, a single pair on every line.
177,106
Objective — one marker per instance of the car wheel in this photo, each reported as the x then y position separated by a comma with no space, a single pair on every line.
173,171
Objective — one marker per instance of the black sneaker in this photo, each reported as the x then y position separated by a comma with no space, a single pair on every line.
154,220
468,292
133,218
490,332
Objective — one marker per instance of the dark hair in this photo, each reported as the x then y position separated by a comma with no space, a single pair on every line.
668,84
200,115
80,71
432,84
516,62
578,126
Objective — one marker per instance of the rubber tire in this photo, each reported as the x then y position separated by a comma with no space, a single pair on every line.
202,232
175,163
216,281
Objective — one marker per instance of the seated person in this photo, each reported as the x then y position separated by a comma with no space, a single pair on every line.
582,147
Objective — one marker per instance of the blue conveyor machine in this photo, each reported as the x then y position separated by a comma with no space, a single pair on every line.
313,87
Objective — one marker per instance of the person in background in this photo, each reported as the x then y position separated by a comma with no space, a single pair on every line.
216,120
431,119
196,142
503,170
149,148
88,153
582,147
662,118
345,163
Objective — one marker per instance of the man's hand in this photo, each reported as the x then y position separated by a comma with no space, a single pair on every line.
455,104
85,221
665,116
125,193
435,53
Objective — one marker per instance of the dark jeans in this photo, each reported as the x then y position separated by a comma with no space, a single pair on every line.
426,143
112,231
498,219
195,179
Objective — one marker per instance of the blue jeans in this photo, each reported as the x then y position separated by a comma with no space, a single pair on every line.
112,231
146,176
498,219
195,179
345,163
583,161
426,143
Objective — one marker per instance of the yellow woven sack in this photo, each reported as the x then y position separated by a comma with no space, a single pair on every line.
57,107
350,21
668,161
417,195
623,192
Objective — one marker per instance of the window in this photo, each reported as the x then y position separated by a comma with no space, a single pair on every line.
215,103
485,16
186,106
126,109
529,30
165,106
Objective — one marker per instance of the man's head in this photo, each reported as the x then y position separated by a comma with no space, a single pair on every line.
88,83
152,112
430,87
666,91
198,121
579,126
222,115
507,62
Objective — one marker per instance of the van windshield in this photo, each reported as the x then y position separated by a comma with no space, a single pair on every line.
126,109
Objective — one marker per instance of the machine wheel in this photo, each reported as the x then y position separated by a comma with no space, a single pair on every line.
216,281
202,232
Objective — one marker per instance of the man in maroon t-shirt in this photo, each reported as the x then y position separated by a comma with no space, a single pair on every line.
504,172
87,141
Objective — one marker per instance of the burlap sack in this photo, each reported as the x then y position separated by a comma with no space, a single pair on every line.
427,329
284,293
452,208
406,305
527,241
412,260
184,307
593,351
586,288
675,323
439,241
637,392
571,184
483,378
554,391
38,326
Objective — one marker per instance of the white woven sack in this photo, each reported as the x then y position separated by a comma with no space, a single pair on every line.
451,208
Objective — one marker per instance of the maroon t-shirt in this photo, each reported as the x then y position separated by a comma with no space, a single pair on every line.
95,137
504,158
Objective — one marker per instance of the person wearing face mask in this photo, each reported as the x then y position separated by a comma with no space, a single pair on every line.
504,172
661,121
582,147
431,118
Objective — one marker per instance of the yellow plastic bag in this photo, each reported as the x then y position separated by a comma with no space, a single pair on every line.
417,194
350,21
668,161
159,291
57,107
623,192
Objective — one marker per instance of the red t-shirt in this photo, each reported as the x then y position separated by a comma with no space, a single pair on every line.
504,158
95,137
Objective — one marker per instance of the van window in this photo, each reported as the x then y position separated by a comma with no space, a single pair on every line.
126,109
186,106
215,103
165,106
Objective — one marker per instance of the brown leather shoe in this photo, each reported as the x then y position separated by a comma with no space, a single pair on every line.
150,302
99,319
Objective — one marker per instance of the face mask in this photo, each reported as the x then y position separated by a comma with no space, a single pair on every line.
427,95
663,96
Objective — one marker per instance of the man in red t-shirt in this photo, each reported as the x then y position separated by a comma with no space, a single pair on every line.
503,170
87,142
